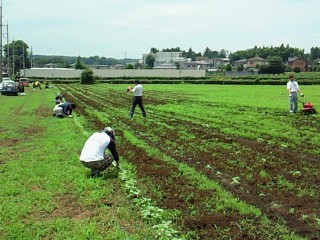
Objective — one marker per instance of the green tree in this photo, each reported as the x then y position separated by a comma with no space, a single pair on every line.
18,55
79,64
240,67
87,77
297,70
154,50
190,54
210,54
150,61
314,53
177,49
275,66
137,65
129,66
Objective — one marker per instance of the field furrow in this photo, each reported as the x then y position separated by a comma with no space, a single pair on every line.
280,180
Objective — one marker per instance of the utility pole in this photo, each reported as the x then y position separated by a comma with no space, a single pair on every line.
1,41
13,60
23,61
8,48
31,57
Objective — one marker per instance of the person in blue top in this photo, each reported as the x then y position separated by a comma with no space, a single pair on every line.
64,109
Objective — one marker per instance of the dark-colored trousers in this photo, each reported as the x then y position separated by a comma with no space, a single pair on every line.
137,100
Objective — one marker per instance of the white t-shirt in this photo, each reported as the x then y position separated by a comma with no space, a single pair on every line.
292,86
137,90
94,147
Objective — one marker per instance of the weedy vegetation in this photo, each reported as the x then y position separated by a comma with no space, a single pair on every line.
208,162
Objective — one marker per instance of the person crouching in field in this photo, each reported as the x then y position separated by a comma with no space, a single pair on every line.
59,99
93,154
63,110
20,87
36,84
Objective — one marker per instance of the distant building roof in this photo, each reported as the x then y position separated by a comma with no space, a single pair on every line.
256,58
243,60
165,66
198,62
291,59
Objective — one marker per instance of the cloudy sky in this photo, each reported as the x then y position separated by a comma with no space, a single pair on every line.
123,28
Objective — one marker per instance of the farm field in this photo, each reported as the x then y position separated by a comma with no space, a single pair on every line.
215,161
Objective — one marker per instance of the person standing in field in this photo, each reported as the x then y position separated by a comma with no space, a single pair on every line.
137,98
93,154
293,89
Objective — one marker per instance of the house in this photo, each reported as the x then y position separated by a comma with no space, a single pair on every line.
93,66
50,65
213,63
255,61
119,66
297,62
207,60
242,62
220,61
196,65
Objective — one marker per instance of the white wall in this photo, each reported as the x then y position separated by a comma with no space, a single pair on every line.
111,73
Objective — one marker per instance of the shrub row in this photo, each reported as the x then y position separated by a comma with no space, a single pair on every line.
248,80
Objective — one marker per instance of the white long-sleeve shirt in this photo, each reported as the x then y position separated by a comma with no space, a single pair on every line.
94,147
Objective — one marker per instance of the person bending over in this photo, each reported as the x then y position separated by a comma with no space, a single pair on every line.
93,154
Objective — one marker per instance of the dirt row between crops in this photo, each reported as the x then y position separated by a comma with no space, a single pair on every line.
248,192
273,202
175,190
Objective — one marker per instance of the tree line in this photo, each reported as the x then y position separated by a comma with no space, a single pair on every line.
18,55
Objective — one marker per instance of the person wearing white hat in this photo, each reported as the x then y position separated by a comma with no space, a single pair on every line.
93,154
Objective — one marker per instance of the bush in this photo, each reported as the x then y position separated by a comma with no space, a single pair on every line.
297,70
87,77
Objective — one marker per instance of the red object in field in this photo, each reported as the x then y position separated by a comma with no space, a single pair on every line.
308,108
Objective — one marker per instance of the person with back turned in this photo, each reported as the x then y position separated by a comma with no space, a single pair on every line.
93,154
137,98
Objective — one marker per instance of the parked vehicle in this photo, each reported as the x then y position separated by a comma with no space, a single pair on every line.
4,80
9,88
25,81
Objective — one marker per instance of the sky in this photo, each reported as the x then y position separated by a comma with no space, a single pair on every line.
127,29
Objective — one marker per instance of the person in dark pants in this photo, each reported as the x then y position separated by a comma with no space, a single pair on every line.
63,110
137,99
20,87
59,99
93,154
36,84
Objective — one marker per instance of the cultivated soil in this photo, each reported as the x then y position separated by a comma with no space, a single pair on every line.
280,202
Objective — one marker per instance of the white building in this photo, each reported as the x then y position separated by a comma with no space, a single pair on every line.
174,58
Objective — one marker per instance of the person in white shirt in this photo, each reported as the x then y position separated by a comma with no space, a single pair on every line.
137,98
293,89
93,152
